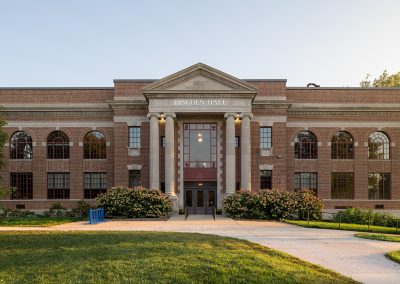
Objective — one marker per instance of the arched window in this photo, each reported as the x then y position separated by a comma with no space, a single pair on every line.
378,146
94,145
21,145
57,145
342,146
305,145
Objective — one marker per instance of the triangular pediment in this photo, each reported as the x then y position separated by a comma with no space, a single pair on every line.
199,78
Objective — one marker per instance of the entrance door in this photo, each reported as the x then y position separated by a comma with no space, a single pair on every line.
200,200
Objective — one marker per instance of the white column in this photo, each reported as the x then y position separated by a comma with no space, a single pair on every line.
170,155
154,171
245,152
230,160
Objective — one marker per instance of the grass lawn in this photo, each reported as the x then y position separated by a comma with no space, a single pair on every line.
148,257
35,221
394,255
343,226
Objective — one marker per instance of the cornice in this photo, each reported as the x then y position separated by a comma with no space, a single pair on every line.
198,69
54,108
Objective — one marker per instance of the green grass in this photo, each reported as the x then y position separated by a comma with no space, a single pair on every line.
394,255
343,226
148,257
35,221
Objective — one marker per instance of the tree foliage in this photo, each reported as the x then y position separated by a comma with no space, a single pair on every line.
384,80
3,140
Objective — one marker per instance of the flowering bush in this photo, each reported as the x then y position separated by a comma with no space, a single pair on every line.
134,203
272,204
308,203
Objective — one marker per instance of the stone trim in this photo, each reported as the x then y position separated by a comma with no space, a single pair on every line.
134,167
266,167
53,124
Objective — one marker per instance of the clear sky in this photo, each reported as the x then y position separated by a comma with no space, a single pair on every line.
91,42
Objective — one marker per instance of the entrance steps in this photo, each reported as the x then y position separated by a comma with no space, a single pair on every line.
198,218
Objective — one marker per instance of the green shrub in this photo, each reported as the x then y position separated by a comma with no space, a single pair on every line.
81,211
363,217
134,203
245,205
57,210
308,203
16,213
271,204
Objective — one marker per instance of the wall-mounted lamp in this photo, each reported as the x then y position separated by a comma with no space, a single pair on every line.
279,156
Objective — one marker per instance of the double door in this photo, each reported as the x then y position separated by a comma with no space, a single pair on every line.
200,200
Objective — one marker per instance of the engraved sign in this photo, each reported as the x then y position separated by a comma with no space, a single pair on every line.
199,102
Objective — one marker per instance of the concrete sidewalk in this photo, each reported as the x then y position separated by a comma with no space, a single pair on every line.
361,259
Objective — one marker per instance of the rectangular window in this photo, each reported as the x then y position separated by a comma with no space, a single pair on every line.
237,141
265,137
265,179
378,186
162,141
303,181
134,178
94,184
134,137
23,182
58,185
342,186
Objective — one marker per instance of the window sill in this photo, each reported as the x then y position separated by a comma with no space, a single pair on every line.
94,160
133,151
266,152
20,159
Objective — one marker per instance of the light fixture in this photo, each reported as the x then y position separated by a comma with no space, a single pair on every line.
199,137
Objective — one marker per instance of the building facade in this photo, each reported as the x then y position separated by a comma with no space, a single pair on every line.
199,135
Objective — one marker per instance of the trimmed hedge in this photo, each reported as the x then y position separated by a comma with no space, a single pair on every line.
272,204
363,217
135,202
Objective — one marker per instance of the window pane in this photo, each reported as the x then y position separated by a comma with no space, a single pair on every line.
265,137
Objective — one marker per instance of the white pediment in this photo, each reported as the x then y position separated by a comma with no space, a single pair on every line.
199,77
198,83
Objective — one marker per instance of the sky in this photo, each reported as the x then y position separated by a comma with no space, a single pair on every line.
88,43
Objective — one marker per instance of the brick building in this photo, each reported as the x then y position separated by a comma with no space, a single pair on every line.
200,134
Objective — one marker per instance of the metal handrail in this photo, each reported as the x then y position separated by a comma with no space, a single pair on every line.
214,212
340,219
186,212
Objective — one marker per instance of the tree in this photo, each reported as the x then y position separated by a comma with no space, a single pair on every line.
384,80
3,139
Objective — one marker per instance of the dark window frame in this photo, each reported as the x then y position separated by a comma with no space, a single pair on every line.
211,161
265,179
134,136
23,182
134,178
237,141
306,145
53,189
379,191
378,146
57,145
94,145
21,147
342,185
303,178
342,145
91,191
266,137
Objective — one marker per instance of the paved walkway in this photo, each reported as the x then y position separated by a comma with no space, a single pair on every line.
361,259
